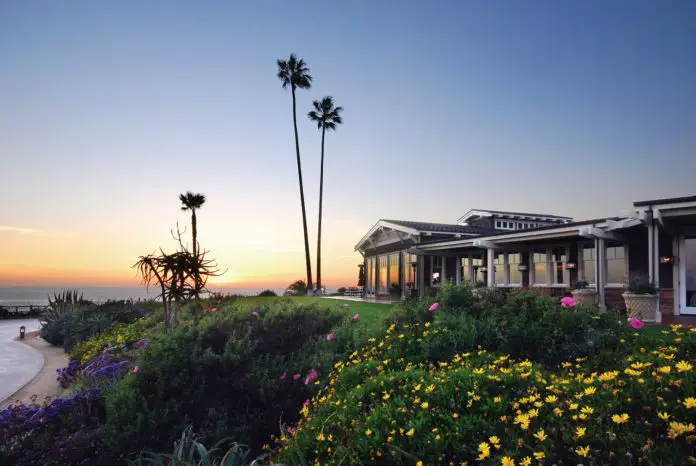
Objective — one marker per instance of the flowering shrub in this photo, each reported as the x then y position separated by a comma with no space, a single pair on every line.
119,334
484,408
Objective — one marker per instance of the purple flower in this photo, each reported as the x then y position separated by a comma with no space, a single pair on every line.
311,377
433,307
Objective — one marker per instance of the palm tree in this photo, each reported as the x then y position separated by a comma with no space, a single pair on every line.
190,201
326,116
294,73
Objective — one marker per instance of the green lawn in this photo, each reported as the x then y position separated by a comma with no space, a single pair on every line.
371,314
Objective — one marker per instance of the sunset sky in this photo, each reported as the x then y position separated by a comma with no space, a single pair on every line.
109,110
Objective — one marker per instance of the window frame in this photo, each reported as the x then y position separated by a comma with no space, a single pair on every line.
432,271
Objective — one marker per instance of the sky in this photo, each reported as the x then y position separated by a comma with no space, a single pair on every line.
109,110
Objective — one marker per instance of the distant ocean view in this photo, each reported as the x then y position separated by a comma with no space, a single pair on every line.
38,296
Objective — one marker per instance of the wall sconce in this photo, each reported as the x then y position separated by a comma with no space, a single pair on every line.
571,265
522,267
483,269
666,259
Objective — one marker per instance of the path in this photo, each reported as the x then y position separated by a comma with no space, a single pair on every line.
19,363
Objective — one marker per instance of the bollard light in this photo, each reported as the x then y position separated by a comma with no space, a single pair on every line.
22,331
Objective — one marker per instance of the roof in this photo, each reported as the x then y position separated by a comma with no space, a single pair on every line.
441,227
521,215
670,200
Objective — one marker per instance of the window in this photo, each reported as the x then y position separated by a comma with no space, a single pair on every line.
370,275
436,270
407,267
589,259
466,271
477,263
382,271
616,264
540,267
558,260
499,268
513,262
393,269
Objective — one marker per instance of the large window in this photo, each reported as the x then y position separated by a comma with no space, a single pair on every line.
382,271
436,270
466,269
540,267
370,275
616,265
407,267
589,259
558,272
499,264
393,269
513,263
477,263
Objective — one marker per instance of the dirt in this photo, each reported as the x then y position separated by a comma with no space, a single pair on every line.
44,384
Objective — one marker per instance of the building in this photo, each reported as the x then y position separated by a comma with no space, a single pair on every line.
540,251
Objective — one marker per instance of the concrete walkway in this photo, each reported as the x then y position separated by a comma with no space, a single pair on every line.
19,363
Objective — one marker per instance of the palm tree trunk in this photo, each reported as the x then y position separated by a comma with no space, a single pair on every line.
321,195
304,213
194,232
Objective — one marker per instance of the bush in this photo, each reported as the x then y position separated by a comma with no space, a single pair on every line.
228,373
641,285
479,407
268,294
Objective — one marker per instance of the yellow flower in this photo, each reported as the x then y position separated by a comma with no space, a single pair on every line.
677,428
583,451
690,402
497,399
551,399
507,461
558,411
539,455
410,432
494,440
664,369
683,366
522,420
620,418
417,387
430,388
425,405
484,451
321,437
662,415
526,461
368,432
386,396
590,390
540,435
455,416
420,463
587,410
573,406
580,432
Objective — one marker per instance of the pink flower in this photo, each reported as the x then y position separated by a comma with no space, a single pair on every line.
291,430
311,377
330,337
215,310
433,307
306,403
567,301
296,377
356,317
345,306
255,314
136,369
636,323
283,375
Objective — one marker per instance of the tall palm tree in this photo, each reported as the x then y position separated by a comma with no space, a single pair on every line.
190,201
294,73
327,117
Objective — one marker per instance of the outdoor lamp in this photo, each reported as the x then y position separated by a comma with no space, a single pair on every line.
483,269
666,259
571,265
522,267
22,331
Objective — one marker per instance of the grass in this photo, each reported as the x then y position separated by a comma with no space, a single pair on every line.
371,314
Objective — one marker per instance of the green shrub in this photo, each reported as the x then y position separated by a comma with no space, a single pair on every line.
268,294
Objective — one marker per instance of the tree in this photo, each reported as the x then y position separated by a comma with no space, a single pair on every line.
190,201
361,274
327,117
299,287
294,73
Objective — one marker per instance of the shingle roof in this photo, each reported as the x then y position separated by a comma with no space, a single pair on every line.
671,200
524,214
442,227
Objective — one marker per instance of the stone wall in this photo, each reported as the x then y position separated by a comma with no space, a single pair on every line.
666,301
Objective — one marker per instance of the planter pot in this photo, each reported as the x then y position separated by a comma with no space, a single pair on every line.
642,306
395,295
586,297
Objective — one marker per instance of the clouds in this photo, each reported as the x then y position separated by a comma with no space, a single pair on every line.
18,230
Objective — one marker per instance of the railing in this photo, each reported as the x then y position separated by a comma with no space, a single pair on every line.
13,312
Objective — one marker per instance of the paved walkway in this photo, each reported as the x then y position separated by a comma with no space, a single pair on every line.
19,363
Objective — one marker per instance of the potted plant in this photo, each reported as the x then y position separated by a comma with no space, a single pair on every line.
395,291
583,294
642,300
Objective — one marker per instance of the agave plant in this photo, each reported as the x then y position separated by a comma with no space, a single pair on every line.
67,297
189,452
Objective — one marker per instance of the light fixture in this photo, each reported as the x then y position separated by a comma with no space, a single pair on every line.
571,265
522,267
482,269
666,259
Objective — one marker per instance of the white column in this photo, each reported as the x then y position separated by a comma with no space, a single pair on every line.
656,269
458,269
600,273
490,267
420,269
651,252
444,270
676,291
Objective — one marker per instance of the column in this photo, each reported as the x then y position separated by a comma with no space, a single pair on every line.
420,269
656,269
651,252
600,273
490,267
443,276
676,291
458,269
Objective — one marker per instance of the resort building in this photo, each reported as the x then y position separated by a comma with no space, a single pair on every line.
548,253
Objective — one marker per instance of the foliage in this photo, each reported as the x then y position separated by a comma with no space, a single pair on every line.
116,335
342,290
581,285
229,373
361,274
267,294
298,288
192,202
67,297
641,285
479,407
188,451
64,431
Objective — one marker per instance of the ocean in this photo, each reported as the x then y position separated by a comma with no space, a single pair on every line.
38,295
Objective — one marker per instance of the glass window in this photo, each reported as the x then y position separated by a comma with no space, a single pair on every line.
382,271
558,259
466,271
477,263
437,270
616,264
514,275
393,269
407,267
371,274
589,259
499,264
540,266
